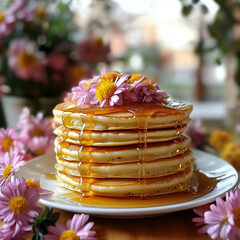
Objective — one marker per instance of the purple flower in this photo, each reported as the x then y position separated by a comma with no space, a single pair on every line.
9,165
76,228
8,232
18,205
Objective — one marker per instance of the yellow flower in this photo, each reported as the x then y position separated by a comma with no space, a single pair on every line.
231,153
219,139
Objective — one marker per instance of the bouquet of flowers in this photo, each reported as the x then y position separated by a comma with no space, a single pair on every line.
41,54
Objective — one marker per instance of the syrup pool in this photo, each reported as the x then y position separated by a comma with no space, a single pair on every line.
201,186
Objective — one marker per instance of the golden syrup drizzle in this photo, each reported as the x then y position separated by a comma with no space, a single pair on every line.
201,187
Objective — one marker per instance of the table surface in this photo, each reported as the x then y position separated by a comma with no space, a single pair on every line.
172,226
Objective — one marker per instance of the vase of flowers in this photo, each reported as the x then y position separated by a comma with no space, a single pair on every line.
41,55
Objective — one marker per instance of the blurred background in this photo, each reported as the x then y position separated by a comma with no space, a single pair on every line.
190,47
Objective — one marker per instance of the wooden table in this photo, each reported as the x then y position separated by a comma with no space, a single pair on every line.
172,226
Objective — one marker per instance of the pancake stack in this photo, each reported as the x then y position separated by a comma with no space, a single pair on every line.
134,149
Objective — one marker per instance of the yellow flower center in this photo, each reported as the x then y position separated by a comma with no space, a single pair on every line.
135,77
7,171
69,235
37,133
40,12
40,152
6,144
26,60
87,84
76,73
105,90
110,76
224,221
2,17
18,204
236,213
150,85
32,184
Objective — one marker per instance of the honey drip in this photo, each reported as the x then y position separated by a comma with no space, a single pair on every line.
141,114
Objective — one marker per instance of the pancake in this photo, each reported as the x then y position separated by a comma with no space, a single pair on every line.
151,169
118,138
109,187
154,115
119,135
121,154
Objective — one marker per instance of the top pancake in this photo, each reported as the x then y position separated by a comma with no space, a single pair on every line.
154,115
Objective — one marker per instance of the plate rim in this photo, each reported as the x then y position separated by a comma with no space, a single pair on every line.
117,212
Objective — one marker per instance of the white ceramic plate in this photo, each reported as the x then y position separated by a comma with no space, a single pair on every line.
208,164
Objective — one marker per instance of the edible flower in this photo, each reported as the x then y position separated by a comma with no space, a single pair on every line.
220,220
18,205
9,165
75,229
112,88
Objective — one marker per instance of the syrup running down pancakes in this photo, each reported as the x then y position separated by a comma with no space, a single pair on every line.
122,140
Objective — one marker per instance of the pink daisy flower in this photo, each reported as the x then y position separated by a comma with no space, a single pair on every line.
76,228
8,19
9,165
83,93
35,184
110,92
9,139
199,221
11,233
233,202
34,126
220,220
26,60
18,205
146,90
40,146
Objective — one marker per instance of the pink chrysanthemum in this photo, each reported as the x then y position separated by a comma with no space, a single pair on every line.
8,18
146,90
10,164
76,228
26,60
83,93
12,233
219,220
199,221
34,126
40,145
35,184
110,92
9,139
233,202
18,205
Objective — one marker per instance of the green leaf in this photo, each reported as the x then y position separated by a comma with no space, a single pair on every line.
186,10
41,224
